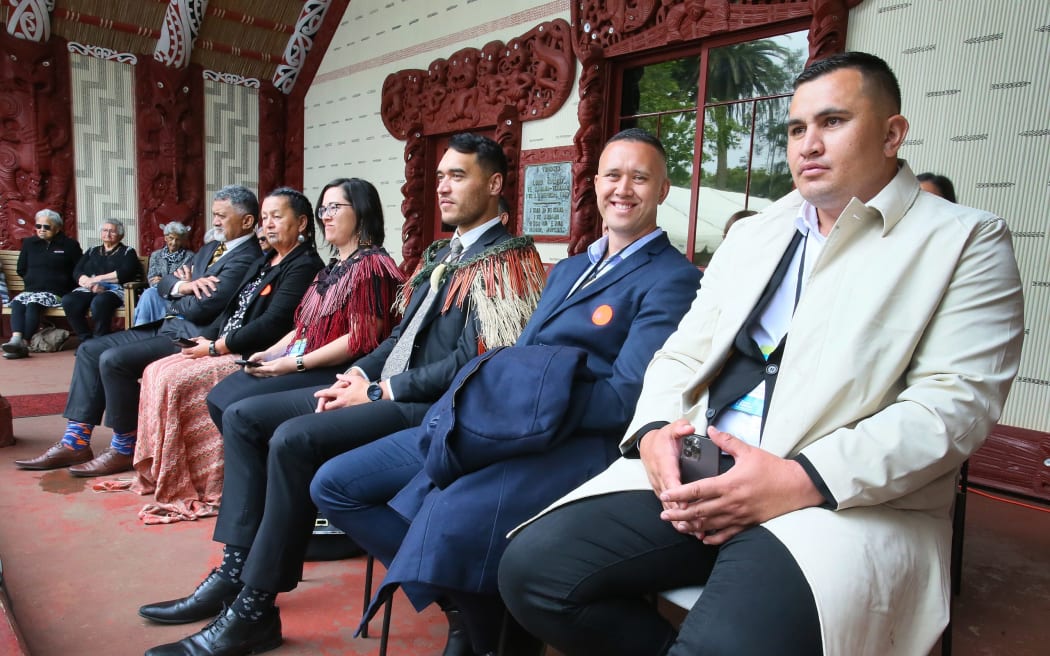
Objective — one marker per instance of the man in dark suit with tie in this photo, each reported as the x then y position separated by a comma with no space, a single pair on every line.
617,303
107,369
472,292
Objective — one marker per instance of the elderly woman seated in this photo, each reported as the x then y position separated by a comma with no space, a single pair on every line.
46,264
344,313
100,276
150,306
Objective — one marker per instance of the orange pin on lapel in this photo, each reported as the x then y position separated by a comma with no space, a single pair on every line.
602,315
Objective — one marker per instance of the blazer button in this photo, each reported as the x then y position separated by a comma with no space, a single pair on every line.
771,369
710,414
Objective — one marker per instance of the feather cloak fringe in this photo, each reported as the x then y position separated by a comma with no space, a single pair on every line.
503,283
360,304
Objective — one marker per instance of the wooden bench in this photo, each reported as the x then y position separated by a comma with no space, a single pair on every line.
15,286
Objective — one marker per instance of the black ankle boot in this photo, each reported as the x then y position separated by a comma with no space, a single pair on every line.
458,643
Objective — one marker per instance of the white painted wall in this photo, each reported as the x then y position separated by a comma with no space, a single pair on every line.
976,85
344,134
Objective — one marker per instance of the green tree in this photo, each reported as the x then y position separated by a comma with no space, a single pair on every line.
737,72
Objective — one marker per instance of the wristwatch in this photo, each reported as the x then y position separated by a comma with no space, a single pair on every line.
299,364
212,351
375,392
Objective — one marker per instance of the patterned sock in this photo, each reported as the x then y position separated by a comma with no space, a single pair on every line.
77,435
124,443
251,604
233,558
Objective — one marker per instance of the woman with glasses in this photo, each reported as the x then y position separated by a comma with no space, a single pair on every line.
345,312
46,264
150,306
100,276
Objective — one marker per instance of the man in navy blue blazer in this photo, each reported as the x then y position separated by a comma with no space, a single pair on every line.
617,302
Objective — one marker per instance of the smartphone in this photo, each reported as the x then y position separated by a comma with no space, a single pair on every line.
699,459
247,363
183,342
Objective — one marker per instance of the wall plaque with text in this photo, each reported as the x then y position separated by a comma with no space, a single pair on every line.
547,199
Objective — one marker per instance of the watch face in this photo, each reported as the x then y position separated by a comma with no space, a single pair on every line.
375,392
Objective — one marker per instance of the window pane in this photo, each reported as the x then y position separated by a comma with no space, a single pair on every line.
669,85
765,67
770,178
723,178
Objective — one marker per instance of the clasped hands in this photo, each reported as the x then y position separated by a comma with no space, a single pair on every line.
758,487
349,389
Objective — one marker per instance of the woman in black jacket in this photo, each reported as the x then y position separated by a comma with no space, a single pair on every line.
46,265
100,276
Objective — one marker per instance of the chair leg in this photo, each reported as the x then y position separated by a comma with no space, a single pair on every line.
959,528
384,637
369,566
946,639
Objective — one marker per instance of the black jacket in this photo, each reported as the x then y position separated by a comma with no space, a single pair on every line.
271,310
192,316
95,262
47,266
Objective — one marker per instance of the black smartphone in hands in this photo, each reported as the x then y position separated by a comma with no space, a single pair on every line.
699,459
247,363
183,342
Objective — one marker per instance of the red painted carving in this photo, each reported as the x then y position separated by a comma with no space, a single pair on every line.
585,223
502,85
273,123
169,104
827,32
533,73
508,135
36,145
412,204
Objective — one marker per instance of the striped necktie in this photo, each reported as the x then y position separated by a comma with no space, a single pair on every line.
399,356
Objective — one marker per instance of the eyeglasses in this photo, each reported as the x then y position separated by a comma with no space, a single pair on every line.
44,226
330,208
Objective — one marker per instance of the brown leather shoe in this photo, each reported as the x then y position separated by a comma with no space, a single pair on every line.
107,463
57,456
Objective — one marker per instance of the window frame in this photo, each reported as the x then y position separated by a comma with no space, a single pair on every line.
701,48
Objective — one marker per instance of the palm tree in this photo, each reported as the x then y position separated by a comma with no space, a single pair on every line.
737,72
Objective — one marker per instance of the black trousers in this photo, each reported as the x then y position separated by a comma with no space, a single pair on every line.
102,306
239,385
274,444
25,319
106,376
579,578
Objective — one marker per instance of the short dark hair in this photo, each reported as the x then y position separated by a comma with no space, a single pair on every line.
875,71
942,183
734,217
242,199
364,198
301,206
640,135
490,155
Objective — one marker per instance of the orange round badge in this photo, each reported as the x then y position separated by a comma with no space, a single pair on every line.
602,315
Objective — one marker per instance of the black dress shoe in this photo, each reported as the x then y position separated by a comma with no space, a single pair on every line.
228,635
208,600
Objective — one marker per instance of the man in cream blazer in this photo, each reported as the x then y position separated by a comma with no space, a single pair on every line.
892,323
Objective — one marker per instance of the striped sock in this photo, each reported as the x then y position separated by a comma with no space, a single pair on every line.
77,435
124,443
